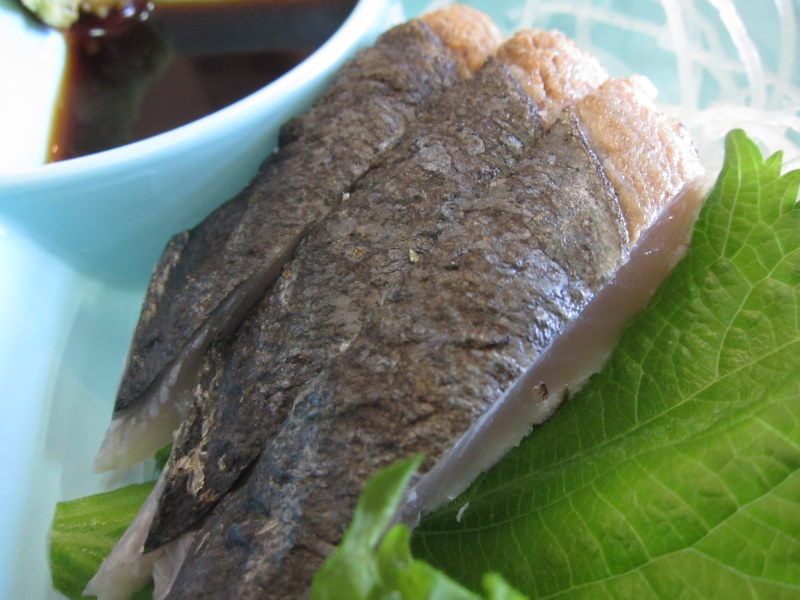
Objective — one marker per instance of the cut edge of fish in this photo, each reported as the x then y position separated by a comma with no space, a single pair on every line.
126,569
135,433
575,355
166,567
676,187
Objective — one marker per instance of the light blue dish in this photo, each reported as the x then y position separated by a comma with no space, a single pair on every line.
109,214
78,239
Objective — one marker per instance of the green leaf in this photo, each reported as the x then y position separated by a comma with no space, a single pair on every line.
85,530
676,471
403,577
498,589
357,570
352,571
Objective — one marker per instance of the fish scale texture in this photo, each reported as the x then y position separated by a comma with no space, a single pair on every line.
513,262
474,132
364,112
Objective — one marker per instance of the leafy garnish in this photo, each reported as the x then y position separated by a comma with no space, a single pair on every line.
85,530
358,570
676,471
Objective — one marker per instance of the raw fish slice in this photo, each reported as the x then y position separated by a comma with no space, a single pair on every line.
207,459
565,365
321,302
383,398
210,276
193,253
255,508
512,266
658,177
473,133
185,253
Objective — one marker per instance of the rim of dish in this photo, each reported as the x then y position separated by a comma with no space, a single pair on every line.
350,33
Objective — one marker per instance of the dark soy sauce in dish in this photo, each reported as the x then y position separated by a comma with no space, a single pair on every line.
144,70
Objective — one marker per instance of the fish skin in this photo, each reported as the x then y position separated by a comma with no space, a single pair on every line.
324,151
471,134
513,264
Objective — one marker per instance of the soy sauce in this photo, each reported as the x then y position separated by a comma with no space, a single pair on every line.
144,70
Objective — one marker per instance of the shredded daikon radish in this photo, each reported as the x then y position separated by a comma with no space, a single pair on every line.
788,24
534,12
689,91
751,59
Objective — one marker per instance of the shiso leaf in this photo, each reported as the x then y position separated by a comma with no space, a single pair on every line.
85,530
676,471
362,569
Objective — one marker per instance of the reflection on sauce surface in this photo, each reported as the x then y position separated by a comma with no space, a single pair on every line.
144,72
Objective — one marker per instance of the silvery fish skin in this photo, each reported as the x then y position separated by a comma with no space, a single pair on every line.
208,277
472,134
512,264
